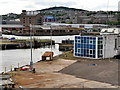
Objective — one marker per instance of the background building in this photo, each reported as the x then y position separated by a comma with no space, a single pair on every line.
49,19
30,17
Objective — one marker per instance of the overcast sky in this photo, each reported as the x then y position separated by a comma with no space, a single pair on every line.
16,6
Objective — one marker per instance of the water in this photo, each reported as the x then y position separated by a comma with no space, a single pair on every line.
22,56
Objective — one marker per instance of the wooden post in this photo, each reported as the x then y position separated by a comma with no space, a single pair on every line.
7,83
5,70
11,68
16,78
11,75
21,80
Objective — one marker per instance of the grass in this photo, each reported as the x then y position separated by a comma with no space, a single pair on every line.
70,56
24,40
67,55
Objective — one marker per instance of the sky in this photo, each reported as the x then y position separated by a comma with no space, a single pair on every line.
16,6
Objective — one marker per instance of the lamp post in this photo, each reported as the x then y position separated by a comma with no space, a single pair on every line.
51,42
31,62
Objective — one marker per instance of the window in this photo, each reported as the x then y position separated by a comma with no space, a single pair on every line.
90,51
115,43
101,52
90,41
79,40
79,50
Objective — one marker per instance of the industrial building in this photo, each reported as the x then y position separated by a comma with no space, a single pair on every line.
105,45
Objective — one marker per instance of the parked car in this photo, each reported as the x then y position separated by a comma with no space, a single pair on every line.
117,56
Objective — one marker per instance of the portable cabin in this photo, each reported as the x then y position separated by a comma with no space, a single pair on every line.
47,56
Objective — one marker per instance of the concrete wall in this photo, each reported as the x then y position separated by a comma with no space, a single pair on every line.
109,49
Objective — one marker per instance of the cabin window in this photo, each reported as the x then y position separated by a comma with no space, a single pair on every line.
115,43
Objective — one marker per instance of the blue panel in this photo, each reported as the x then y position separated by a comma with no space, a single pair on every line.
94,46
85,52
78,45
91,46
79,55
85,45
78,50
87,41
76,40
75,37
81,40
88,51
93,52
81,45
91,38
81,51
78,37
94,42
94,38
87,37
75,45
75,50
81,37
76,54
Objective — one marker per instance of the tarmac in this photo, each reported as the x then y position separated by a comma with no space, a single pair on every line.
56,74
105,71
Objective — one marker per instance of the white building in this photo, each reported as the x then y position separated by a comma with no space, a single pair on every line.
105,45
119,6
111,30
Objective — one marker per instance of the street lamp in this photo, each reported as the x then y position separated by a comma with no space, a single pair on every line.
51,40
31,62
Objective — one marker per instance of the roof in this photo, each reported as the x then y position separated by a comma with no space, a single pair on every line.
11,26
49,17
47,54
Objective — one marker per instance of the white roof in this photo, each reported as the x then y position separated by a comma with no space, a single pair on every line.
111,30
11,26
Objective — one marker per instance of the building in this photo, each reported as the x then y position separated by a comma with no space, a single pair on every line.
47,56
30,17
49,19
105,45
119,6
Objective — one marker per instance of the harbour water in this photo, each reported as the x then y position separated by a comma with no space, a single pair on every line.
22,56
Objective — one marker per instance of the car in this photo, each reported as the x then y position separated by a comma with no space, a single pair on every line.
24,68
117,56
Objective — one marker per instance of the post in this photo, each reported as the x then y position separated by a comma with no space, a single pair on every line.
7,83
11,68
51,42
16,78
31,62
18,65
21,80
5,70
11,75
